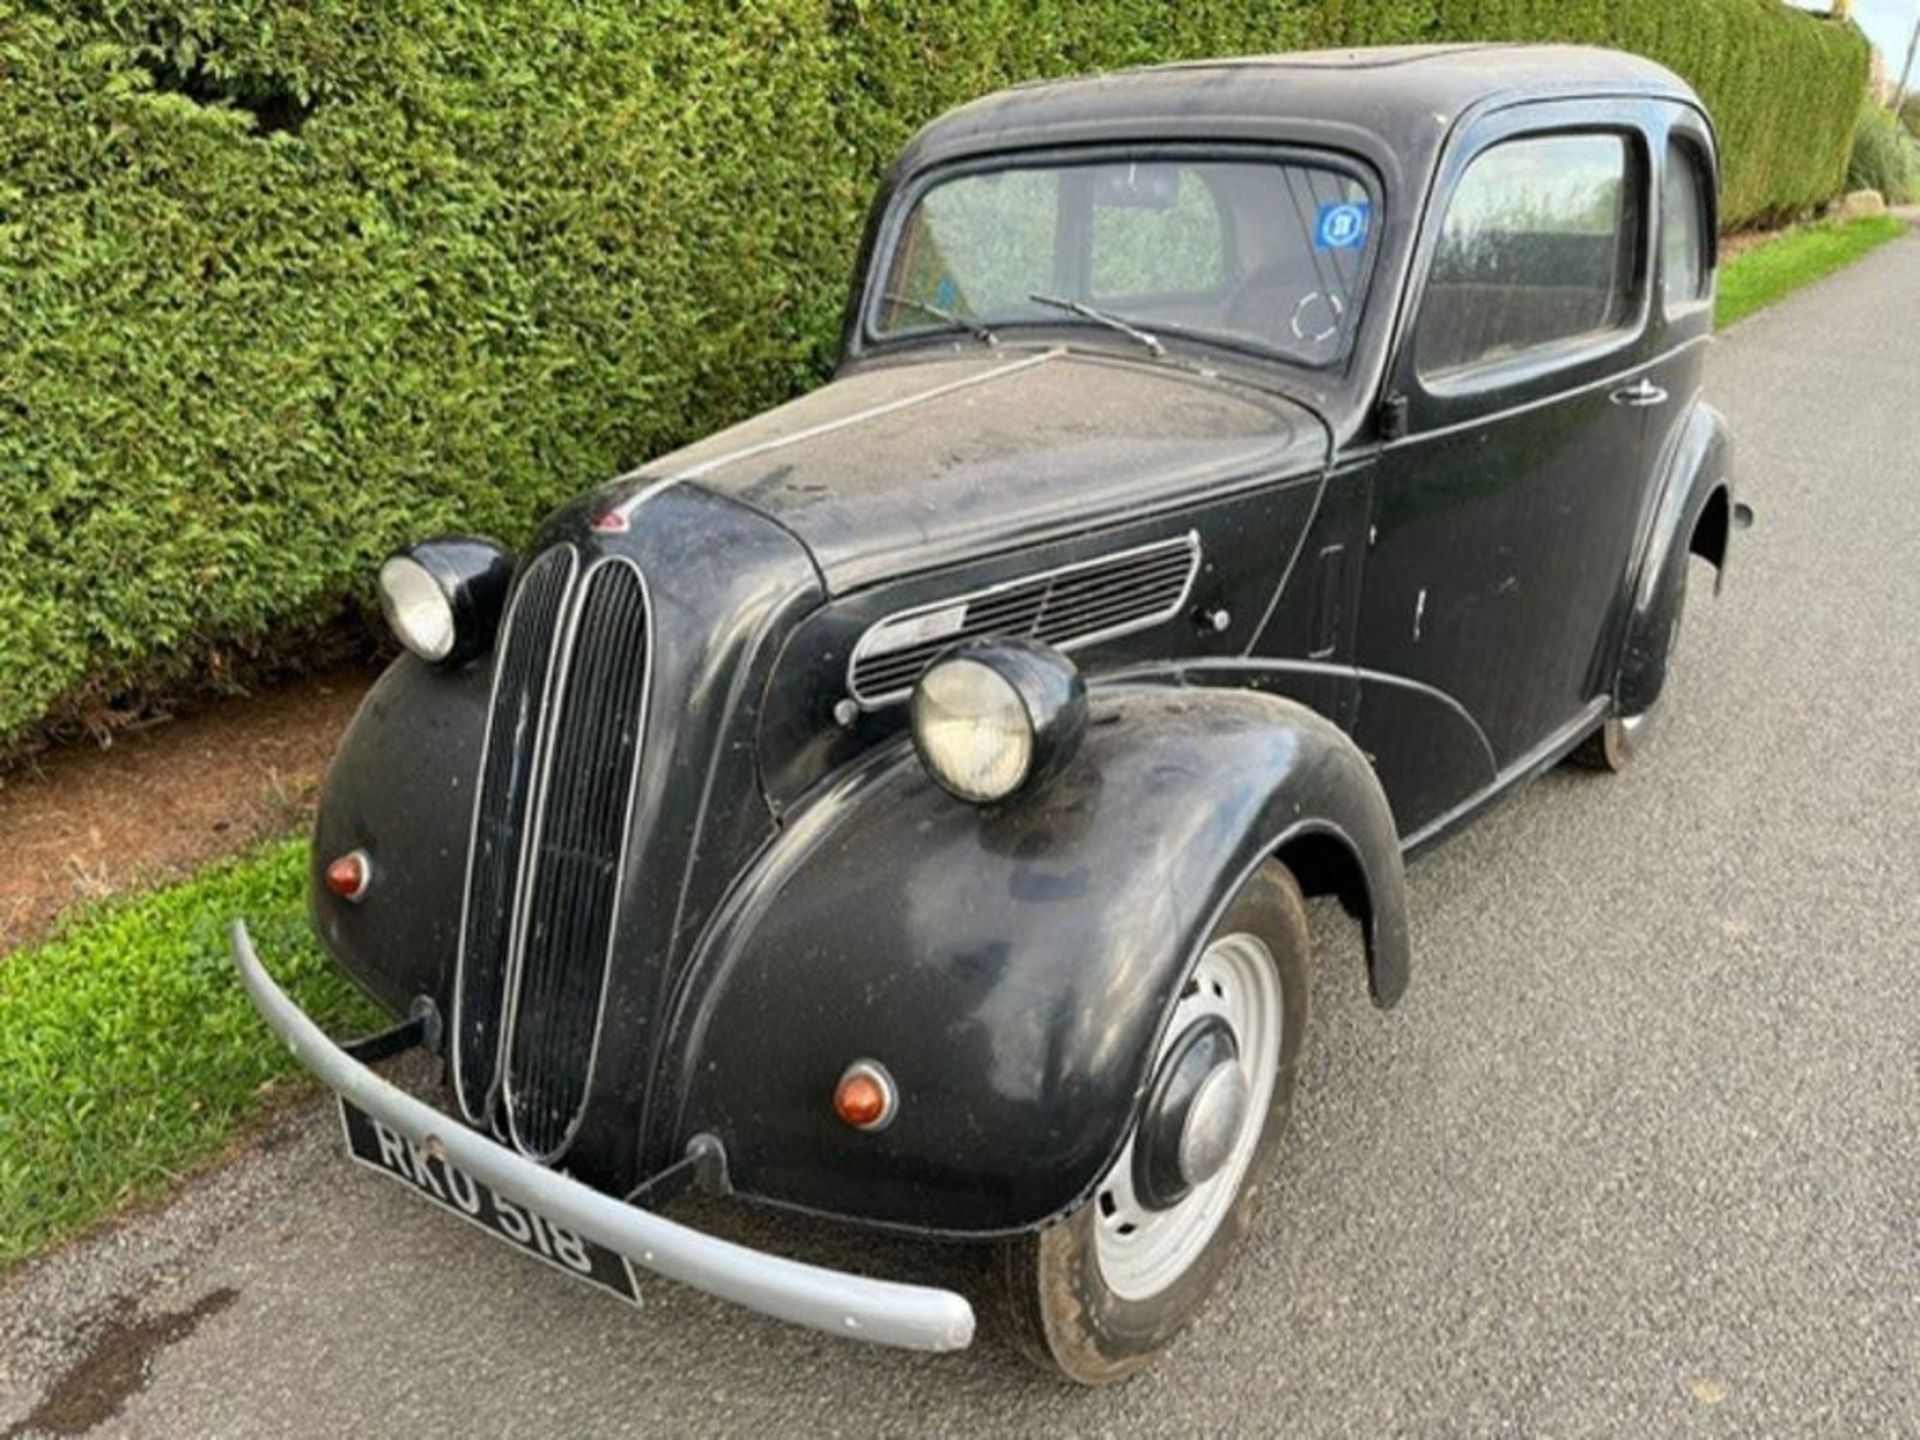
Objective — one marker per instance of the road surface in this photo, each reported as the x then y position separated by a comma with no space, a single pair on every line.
1636,1155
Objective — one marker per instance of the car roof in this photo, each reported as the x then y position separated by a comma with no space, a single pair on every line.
1403,99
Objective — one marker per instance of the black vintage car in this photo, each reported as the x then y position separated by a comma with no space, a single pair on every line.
898,807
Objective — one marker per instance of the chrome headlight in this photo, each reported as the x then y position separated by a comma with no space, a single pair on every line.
993,717
443,597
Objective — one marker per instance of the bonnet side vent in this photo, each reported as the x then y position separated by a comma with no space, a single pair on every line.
1067,608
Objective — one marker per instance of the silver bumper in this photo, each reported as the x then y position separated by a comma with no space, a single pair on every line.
914,1317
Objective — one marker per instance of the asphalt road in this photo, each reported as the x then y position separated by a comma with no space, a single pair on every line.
1636,1155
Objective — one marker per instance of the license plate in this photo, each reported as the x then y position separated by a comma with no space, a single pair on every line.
381,1148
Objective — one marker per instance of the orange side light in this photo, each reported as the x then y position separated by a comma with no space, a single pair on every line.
865,1097
350,875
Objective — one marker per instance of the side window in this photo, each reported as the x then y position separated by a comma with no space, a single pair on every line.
1537,250
1683,227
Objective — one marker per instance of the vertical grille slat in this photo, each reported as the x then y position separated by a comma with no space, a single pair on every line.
521,678
556,789
1069,607
574,867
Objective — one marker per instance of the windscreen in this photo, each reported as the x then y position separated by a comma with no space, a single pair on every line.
1251,253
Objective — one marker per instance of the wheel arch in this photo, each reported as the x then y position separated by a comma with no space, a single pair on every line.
1011,968
1695,514
1325,861
1712,535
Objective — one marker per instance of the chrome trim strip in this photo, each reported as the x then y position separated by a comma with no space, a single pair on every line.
865,647
473,831
883,1312
529,856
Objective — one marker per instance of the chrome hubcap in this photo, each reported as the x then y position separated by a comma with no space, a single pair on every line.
1141,1251
1213,1124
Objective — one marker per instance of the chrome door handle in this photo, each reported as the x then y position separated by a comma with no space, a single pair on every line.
1643,393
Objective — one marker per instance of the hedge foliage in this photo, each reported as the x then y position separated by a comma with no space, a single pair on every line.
1885,157
284,282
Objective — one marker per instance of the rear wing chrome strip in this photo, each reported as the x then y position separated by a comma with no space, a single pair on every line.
883,1312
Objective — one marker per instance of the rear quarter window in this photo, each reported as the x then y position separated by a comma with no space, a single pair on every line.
1683,229
1536,253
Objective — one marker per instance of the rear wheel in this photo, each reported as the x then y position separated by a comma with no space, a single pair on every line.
1100,1294
1620,738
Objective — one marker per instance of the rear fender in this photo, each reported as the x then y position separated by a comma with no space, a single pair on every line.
1695,516
1011,967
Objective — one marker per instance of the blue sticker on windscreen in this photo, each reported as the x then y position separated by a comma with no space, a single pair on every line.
1341,225
947,293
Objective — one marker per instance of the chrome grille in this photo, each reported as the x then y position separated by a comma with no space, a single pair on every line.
1073,606
522,671
573,872
550,830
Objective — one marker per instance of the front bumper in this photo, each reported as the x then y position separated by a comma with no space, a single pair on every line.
913,1317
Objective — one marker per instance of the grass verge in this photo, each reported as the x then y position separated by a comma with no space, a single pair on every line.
128,1051
1774,268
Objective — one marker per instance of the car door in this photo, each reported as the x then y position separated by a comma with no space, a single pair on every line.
1504,513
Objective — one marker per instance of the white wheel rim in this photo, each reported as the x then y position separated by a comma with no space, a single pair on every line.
1141,1251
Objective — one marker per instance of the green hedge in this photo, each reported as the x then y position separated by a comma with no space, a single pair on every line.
283,282
1885,157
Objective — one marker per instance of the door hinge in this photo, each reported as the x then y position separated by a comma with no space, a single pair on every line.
1393,417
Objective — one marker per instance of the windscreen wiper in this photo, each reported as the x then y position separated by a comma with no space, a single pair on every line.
940,312
1101,317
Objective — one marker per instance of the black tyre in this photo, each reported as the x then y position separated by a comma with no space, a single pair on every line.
1620,738
1100,1294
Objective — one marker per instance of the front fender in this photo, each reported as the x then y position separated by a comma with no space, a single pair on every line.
401,788
1698,481
1011,967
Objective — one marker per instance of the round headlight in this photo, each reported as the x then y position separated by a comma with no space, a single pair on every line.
443,597
993,717
420,612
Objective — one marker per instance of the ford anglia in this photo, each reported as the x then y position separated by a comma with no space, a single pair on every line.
899,807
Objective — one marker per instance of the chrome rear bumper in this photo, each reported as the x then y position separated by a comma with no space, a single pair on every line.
913,1317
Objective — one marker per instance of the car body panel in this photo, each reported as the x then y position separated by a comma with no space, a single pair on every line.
1499,550
895,469
1013,969
1250,540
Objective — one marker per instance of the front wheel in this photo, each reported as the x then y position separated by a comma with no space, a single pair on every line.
1099,1294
